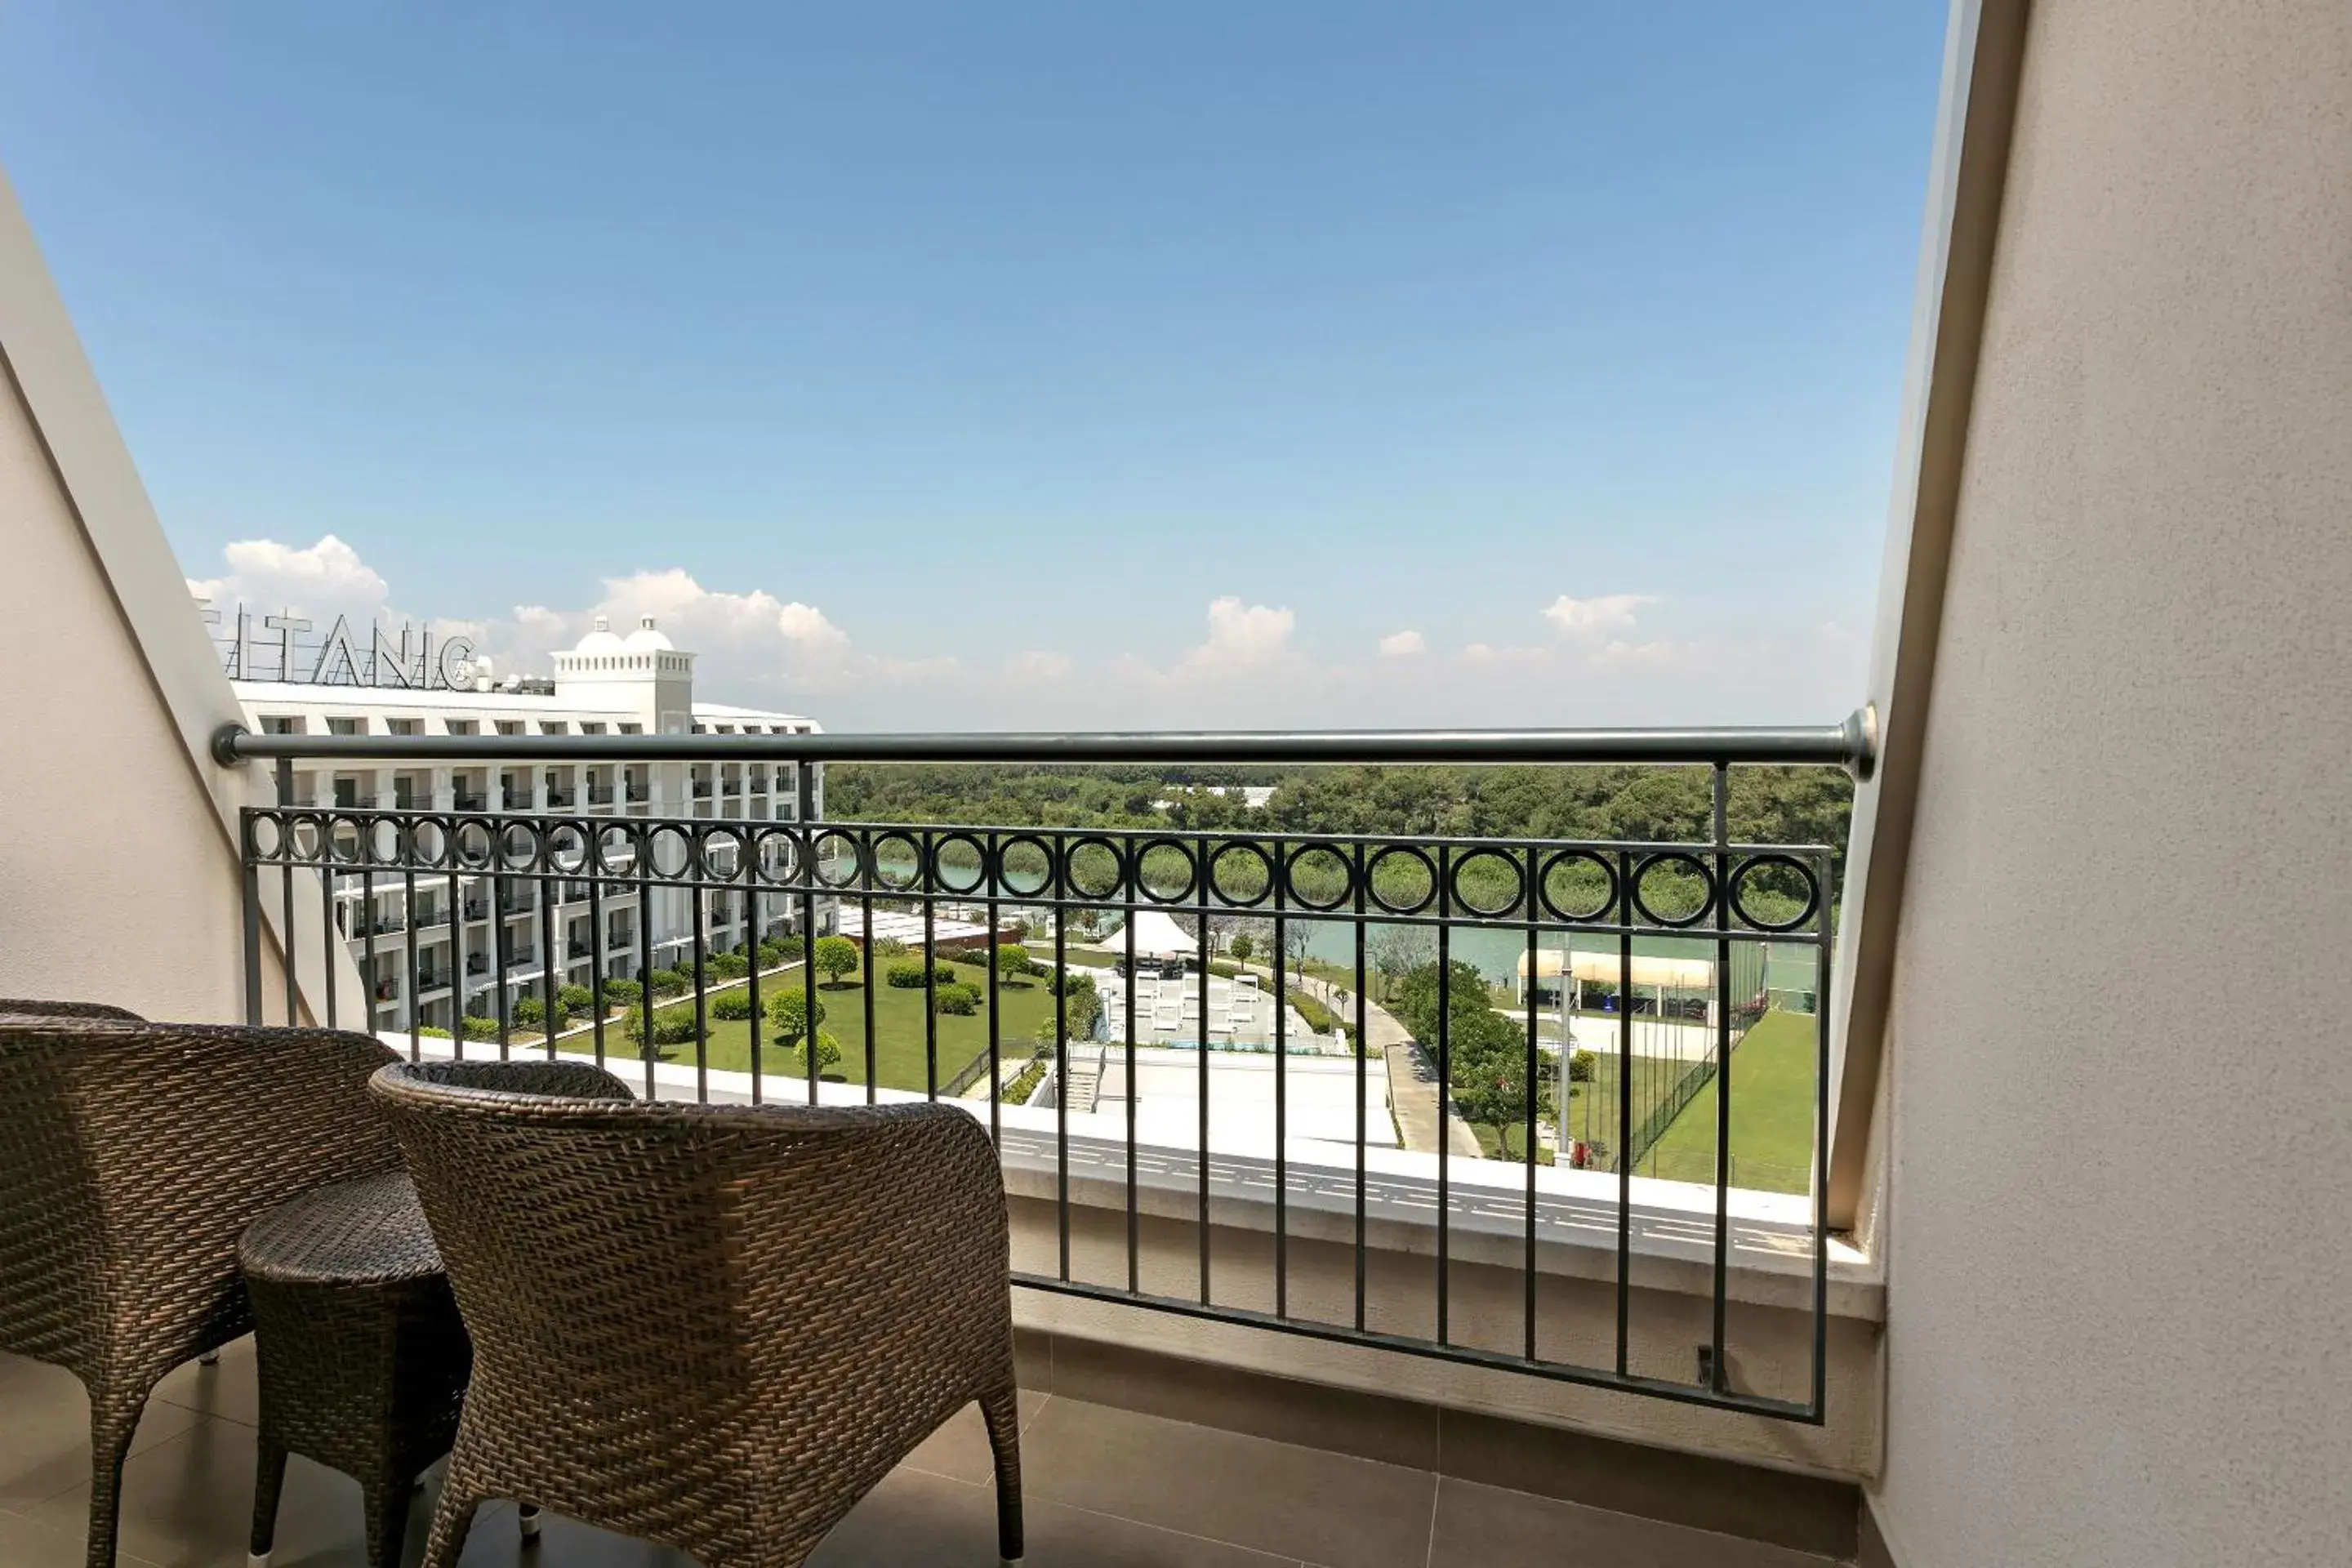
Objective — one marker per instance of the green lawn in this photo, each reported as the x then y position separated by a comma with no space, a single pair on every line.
1771,1111
897,1030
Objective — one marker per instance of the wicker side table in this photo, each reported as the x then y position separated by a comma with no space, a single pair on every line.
363,1357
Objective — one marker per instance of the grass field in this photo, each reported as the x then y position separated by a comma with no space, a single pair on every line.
1771,1111
898,1036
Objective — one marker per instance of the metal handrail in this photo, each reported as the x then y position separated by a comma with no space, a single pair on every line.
1851,745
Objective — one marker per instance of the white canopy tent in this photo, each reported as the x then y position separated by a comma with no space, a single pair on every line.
1158,936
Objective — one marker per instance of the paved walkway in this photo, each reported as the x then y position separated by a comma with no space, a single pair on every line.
1413,1082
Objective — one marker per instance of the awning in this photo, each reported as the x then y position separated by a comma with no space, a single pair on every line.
1158,936
1673,973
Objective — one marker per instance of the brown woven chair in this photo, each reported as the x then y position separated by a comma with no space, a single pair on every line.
132,1157
712,1327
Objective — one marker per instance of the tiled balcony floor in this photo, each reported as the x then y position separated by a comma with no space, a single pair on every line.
1106,1489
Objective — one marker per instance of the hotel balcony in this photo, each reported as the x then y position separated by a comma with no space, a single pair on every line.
2042,1264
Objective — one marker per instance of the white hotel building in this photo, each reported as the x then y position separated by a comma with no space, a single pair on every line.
610,684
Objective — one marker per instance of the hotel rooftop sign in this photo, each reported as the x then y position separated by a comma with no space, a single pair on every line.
282,650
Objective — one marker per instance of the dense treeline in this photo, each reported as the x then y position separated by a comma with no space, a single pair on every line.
1777,805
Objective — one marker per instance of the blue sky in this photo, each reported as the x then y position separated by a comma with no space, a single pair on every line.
928,363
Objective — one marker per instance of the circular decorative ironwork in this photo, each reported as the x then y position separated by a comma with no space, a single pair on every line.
471,846
616,849
1407,855
1671,858
1078,863
1308,861
1140,871
343,843
518,847
838,859
264,835
1005,870
306,836
383,840
1812,899
1514,873
713,848
941,863
776,856
668,851
567,845
897,861
1219,854
1553,895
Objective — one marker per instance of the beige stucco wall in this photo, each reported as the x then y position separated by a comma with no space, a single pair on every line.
2120,1234
118,881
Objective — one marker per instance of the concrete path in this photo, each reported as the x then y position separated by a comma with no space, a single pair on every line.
1413,1082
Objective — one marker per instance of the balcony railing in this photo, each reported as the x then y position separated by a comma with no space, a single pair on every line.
1468,1098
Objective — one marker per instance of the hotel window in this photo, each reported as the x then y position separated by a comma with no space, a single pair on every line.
592,729
632,729
554,727
510,726
404,726
280,724
346,726
462,727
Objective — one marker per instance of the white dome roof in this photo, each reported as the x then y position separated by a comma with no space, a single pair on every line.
645,639
601,640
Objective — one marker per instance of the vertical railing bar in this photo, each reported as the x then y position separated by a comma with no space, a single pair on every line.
698,888
1625,1111
930,896
594,863
748,862
330,933
1364,1129
1721,786
805,813
1821,868
1134,1226
1058,879
500,963
1534,1087
1445,1092
250,909
408,901
457,945
287,856
989,855
1202,861
1278,865
648,1050
367,901
865,974
547,891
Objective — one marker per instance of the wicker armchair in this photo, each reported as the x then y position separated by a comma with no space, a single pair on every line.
712,1327
132,1157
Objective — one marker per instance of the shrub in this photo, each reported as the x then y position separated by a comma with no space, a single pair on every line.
669,982
907,974
1012,961
672,1027
1580,1067
791,947
479,1028
729,966
770,954
733,1005
835,956
620,993
433,1032
532,1010
794,1013
577,998
828,1053
956,999
888,947
1018,1092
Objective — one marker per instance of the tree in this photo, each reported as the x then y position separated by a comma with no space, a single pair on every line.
1296,937
835,957
793,1013
1241,946
828,1053
1012,963
1395,951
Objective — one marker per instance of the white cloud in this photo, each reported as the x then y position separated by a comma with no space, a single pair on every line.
1037,664
323,579
1402,645
1241,639
1595,618
806,625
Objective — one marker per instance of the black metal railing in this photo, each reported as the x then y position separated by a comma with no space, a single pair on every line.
1397,1164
